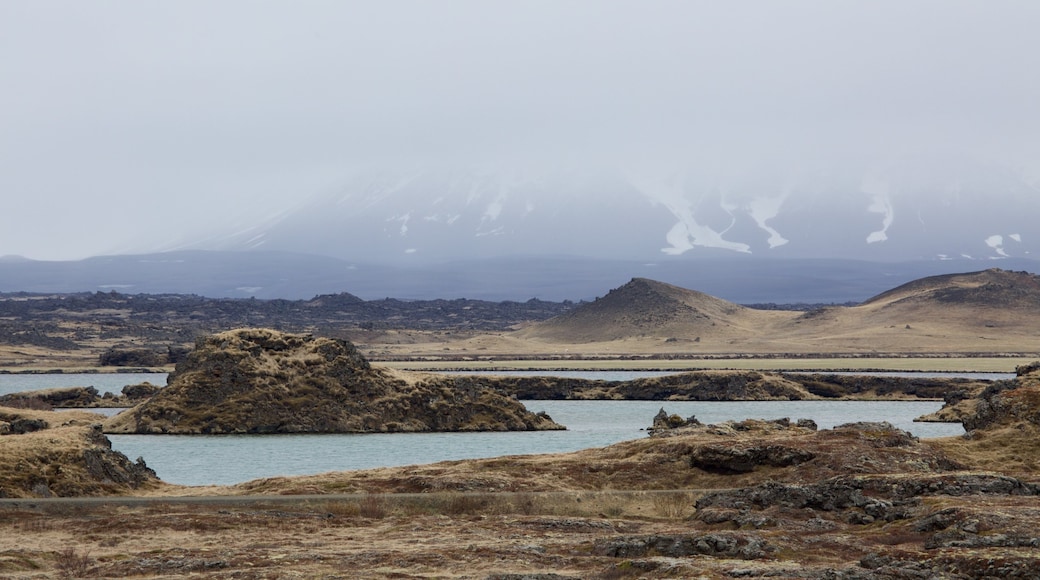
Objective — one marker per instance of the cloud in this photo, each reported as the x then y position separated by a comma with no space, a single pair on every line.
128,123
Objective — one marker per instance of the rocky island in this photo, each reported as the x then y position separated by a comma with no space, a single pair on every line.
265,381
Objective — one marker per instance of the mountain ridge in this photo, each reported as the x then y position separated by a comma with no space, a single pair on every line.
917,208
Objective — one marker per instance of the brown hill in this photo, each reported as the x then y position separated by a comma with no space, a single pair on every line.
989,311
993,288
993,311
264,381
643,308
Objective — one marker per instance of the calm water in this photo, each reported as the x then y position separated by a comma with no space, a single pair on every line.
227,459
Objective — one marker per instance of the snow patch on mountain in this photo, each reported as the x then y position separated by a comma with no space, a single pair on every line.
687,233
763,209
642,209
442,218
494,209
403,219
997,243
880,202
492,232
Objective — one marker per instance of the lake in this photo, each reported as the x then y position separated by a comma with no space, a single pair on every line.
228,459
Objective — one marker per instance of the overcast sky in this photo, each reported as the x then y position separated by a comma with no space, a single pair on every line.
125,123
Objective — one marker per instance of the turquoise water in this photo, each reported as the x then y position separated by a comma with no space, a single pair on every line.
227,459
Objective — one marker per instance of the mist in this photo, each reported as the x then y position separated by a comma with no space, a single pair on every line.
131,127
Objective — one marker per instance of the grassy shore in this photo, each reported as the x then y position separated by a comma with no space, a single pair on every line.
933,364
907,364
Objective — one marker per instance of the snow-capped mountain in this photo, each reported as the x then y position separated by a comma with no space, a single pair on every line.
914,209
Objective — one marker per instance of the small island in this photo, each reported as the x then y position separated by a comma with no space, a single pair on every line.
263,381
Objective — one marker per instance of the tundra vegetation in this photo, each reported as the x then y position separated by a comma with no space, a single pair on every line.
975,321
741,499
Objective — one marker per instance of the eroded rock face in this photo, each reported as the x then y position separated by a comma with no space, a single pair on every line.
263,381
860,499
79,397
663,421
65,457
48,398
733,459
1008,402
720,545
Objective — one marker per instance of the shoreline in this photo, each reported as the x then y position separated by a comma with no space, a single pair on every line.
934,364
987,363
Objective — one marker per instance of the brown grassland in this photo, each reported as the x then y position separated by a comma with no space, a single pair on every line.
738,500
748,499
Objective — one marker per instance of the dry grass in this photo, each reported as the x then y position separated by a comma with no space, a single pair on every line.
659,463
545,515
951,363
674,506
71,564
65,459
1010,449
446,536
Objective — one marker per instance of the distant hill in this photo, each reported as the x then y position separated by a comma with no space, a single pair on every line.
993,288
989,311
259,274
644,307
992,306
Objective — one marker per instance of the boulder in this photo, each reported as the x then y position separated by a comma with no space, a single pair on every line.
140,391
663,421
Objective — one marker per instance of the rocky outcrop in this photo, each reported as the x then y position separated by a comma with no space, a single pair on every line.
719,385
66,397
728,385
721,545
663,421
264,381
733,459
715,386
862,499
64,455
1002,426
835,386
140,391
1007,403
79,397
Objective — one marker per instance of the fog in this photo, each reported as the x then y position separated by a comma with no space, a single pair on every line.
135,126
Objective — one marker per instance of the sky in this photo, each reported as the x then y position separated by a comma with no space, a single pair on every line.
125,124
